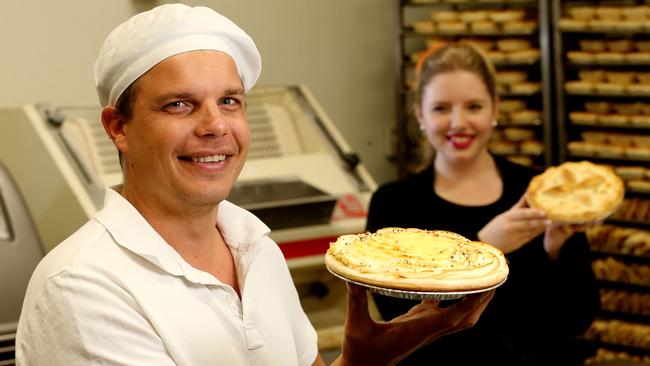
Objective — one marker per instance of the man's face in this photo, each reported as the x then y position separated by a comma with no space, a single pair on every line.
188,137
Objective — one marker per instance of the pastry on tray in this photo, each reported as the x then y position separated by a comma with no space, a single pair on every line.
576,192
416,260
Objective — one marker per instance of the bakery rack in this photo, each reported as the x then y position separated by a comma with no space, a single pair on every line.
602,104
515,36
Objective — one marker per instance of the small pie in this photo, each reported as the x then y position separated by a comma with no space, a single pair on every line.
576,192
417,260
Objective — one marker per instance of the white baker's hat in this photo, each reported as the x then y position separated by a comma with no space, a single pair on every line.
145,39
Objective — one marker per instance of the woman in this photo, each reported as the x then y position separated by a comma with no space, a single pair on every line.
551,294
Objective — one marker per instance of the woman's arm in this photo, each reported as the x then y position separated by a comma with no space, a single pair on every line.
575,283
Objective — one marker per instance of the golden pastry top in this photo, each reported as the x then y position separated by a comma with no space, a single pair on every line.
414,253
576,192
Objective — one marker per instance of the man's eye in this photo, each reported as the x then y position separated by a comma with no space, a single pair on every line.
176,104
475,107
229,101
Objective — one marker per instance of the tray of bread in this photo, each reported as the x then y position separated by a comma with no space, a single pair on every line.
625,18
417,264
480,22
609,82
619,51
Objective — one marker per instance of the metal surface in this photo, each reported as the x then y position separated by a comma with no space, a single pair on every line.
20,252
299,165
269,192
284,203
5,234
7,349
545,47
418,295
558,61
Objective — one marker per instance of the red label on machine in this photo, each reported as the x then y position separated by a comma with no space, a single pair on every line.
347,207
306,248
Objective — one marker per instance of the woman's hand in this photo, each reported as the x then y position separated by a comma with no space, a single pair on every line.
367,342
512,229
557,234
554,238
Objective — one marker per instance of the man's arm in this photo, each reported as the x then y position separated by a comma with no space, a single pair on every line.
86,320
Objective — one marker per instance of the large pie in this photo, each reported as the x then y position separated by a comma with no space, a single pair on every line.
576,192
417,260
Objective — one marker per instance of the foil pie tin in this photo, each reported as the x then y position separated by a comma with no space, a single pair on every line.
418,295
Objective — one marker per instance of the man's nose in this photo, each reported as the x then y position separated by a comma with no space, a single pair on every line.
212,121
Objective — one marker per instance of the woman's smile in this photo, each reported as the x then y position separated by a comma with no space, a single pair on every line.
460,140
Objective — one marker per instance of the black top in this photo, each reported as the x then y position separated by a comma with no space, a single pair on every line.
532,318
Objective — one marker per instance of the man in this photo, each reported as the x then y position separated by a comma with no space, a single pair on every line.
168,272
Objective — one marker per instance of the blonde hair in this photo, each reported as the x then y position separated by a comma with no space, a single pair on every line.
455,57
444,58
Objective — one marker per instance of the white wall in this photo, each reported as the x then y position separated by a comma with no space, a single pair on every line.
345,51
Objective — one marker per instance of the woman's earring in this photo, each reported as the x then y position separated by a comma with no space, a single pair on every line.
495,123
421,128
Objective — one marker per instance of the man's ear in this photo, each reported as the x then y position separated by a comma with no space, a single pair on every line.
114,122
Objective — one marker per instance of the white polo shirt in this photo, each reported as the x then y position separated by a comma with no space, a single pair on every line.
115,293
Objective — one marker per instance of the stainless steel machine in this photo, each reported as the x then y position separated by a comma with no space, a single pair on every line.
20,252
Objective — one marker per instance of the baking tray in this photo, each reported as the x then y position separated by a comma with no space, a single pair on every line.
417,295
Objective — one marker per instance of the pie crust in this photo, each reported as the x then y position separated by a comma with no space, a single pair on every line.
415,259
576,192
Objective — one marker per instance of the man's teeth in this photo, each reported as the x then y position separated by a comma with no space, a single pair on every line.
209,159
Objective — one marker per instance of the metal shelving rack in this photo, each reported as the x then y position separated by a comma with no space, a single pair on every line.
413,38
592,120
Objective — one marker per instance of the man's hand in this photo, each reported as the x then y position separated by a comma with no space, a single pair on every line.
512,229
367,342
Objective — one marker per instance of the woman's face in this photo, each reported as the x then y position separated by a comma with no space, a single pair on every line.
456,113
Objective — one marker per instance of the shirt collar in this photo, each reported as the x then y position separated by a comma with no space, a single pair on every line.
241,231
239,227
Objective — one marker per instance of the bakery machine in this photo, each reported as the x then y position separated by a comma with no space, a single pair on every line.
301,178
20,252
